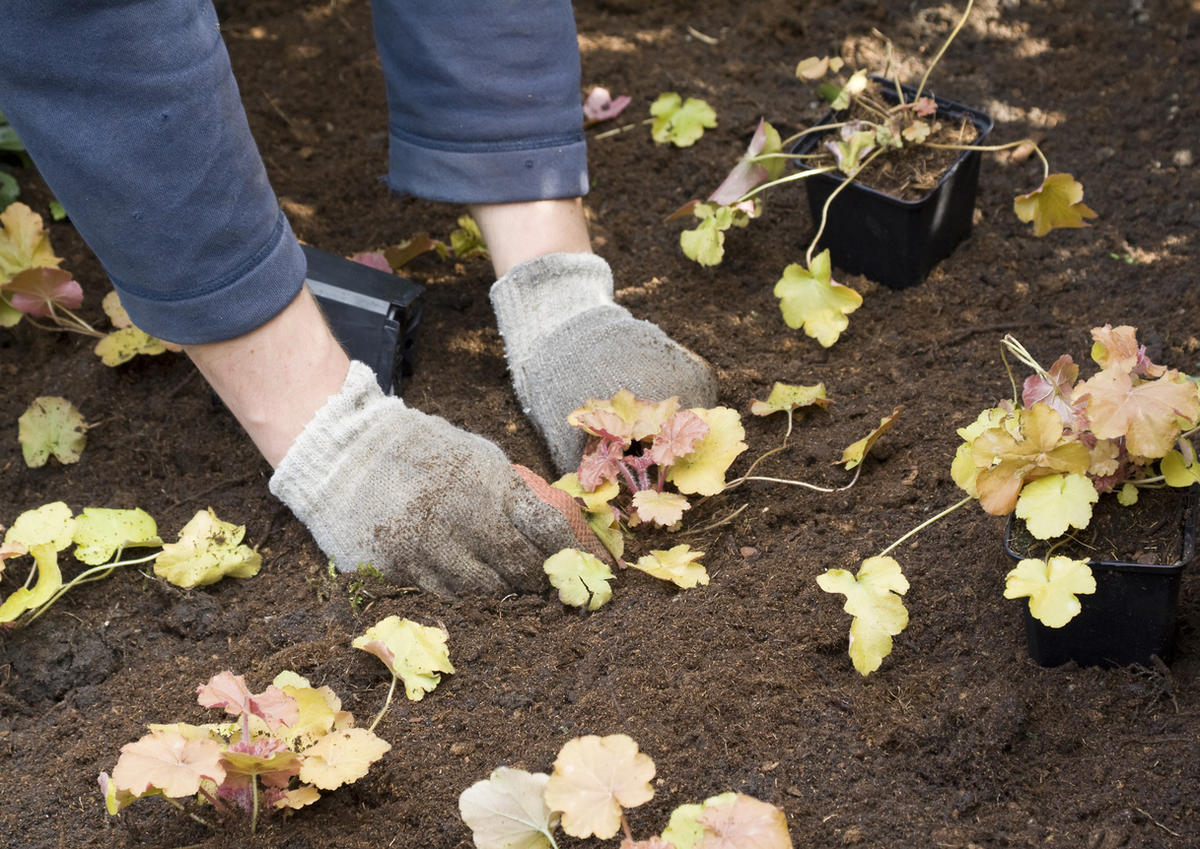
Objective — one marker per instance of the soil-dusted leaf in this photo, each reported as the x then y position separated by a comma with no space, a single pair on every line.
51,523
854,454
1007,462
661,508
1052,587
680,122
746,824
1057,202
678,437
417,654
873,599
467,240
580,578
684,828
37,291
813,302
51,427
1178,472
207,551
24,243
226,690
121,346
702,472
100,531
679,564
169,762
600,105
748,174
787,396
342,757
508,811
595,778
1052,504
49,581
1144,413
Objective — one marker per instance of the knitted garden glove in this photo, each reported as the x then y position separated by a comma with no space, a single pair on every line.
566,341
423,501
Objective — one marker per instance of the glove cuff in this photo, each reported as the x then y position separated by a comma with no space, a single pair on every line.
539,295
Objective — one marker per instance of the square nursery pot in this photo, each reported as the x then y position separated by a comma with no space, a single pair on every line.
891,241
1131,616
372,313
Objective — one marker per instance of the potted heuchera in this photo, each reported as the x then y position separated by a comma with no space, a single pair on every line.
1061,450
880,207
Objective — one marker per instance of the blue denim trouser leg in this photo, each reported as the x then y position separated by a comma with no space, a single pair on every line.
131,112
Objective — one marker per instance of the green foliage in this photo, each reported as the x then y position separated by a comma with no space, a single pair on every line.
51,427
680,122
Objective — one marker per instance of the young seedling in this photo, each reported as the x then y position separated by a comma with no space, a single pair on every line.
208,550
595,779
1049,454
866,130
285,745
415,654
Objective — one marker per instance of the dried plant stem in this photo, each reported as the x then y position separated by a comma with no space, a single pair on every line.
622,129
942,50
829,200
992,148
194,816
926,524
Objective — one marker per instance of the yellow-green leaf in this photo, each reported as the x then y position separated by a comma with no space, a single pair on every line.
813,302
704,244
24,243
51,523
1127,495
49,581
341,757
684,828
208,550
1057,202
51,426
415,653
467,240
680,122
855,453
702,472
121,346
678,564
787,396
100,531
1052,587
580,578
1051,504
1176,471
873,599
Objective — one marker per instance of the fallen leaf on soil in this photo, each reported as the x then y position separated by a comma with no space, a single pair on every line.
508,811
415,653
594,778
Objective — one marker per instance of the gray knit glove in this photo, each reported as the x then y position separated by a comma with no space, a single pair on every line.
423,501
566,341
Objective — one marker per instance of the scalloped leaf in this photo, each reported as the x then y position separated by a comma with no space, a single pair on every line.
51,427
24,242
168,762
684,828
679,564
1052,504
680,122
507,810
51,523
1056,203
415,653
1145,413
787,396
100,531
661,508
342,757
594,779
811,301
746,824
702,472
207,551
580,578
1052,587
873,599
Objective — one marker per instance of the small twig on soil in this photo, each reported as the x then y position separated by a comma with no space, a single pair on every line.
699,36
1157,823
623,129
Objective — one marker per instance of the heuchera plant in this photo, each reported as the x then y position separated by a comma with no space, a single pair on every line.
208,550
1047,456
809,298
595,779
285,745
34,287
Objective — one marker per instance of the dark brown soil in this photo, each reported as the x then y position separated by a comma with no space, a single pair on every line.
959,740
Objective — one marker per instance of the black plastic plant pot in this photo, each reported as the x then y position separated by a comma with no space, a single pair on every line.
1130,618
891,241
372,313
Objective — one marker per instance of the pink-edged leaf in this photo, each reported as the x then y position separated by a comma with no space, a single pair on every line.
35,290
606,424
1056,392
746,174
275,707
600,105
373,259
225,690
600,464
926,107
170,762
677,437
746,823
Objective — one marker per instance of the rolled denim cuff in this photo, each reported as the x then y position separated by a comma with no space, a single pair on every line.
556,170
232,306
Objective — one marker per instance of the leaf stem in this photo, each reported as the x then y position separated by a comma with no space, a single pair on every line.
945,44
194,816
386,704
926,524
96,573
790,178
829,200
254,809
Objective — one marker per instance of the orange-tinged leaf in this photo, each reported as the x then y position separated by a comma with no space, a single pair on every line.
746,824
296,799
1144,413
679,564
1007,461
1117,348
1057,202
594,778
662,508
342,757
810,300
170,762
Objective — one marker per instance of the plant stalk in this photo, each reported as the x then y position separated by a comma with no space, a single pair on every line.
945,44
926,524
386,704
